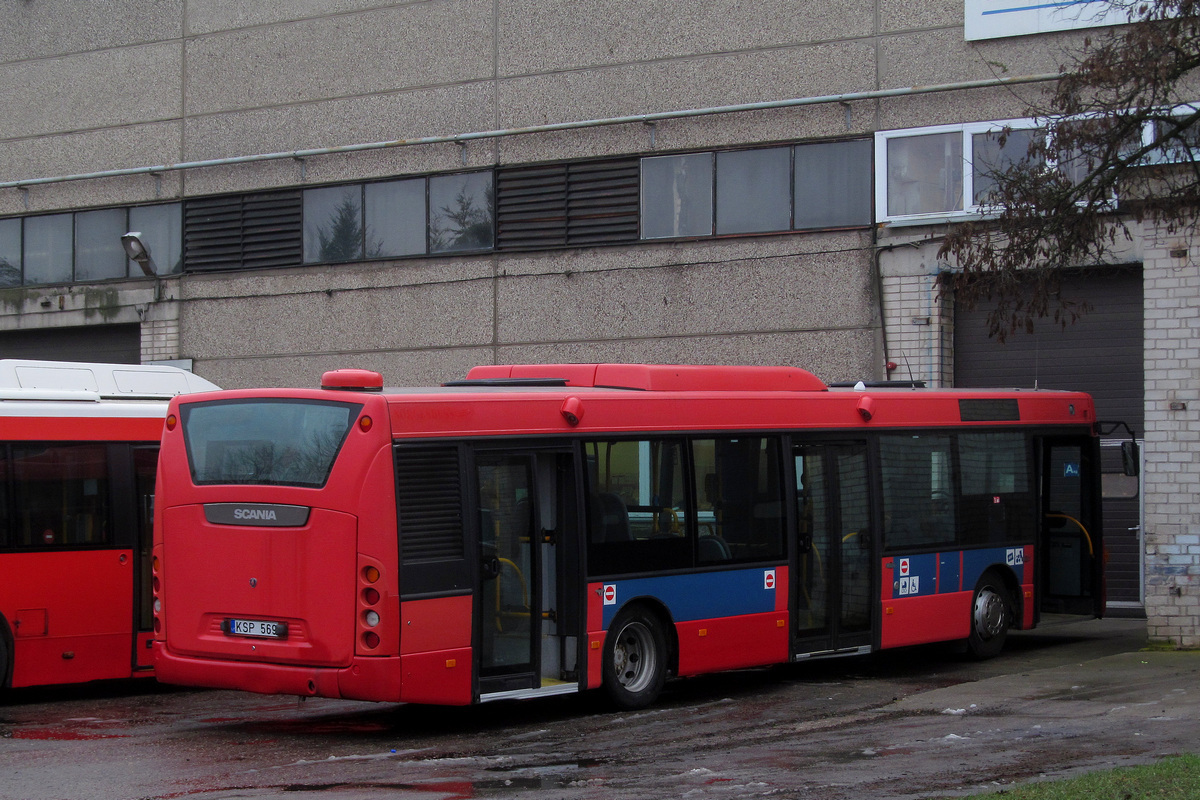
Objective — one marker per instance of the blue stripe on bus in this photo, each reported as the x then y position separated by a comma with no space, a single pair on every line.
919,575
697,596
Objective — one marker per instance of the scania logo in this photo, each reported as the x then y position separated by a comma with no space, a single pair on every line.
271,515
254,513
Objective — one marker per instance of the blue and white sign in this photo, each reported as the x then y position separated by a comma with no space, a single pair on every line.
993,19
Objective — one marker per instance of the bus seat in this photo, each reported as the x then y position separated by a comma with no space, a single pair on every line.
610,519
714,548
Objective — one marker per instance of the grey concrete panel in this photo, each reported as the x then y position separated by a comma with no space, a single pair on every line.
952,108
536,36
398,367
121,191
684,84
838,355
942,56
91,90
307,323
788,293
208,16
382,51
435,111
898,15
57,27
90,151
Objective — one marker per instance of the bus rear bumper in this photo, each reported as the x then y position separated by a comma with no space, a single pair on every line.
364,679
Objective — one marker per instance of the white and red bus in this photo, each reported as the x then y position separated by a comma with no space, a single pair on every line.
544,529
78,449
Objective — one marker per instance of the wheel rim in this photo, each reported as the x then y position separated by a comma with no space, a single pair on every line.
991,616
634,657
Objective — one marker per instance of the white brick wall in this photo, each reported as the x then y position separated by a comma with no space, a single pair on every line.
1171,265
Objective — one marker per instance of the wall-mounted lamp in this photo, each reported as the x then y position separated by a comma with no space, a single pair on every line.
138,251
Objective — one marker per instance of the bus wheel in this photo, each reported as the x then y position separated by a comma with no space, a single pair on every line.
991,616
635,658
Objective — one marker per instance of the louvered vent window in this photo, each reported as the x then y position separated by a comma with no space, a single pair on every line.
567,205
243,231
429,502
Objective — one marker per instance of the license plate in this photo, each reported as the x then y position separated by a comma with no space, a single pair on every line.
259,628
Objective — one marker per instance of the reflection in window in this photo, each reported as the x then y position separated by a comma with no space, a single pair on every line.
10,252
677,196
739,509
637,506
61,492
833,184
925,173
333,230
997,503
918,490
990,158
48,248
98,250
161,228
461,212
395,213
754,190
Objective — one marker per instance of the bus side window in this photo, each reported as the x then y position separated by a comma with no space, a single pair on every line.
919,505
62,491
637,506
739,509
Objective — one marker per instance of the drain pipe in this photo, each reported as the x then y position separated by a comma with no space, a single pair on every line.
548,128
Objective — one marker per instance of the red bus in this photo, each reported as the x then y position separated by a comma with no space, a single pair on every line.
544,529
78,449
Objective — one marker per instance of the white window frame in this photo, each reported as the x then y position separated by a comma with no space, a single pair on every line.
967,131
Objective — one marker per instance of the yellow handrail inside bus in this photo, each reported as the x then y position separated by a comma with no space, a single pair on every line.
1087,536
501,614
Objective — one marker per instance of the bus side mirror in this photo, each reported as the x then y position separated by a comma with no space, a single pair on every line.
1129,458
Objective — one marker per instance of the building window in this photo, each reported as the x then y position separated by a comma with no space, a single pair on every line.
47,252
10,252
832,184
461,212
925,174
161,228
990,157
333,224
98,250
677,196
765,190
395,218
754,190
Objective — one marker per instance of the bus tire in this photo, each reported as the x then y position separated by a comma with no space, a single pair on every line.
991,617
635,658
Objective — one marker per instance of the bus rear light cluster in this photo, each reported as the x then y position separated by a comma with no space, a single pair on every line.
156,590
369,598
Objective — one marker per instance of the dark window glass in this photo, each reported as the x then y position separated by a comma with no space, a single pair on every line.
918,491
637,512
61,495
48,247
833,184
754,190
269,442
333,228
997,503
925,173
461,212
677,196
161,228
739,509
395,213
10,252
990,158
98,250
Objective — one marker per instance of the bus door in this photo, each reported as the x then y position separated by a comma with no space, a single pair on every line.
834,550
528,611
145,462
1071,550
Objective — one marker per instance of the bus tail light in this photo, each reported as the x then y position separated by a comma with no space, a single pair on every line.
371,612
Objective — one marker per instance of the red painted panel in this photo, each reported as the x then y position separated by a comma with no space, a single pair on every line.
595,636
442,677
781,588
732,642
442,623
919,620
75,613
83,429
